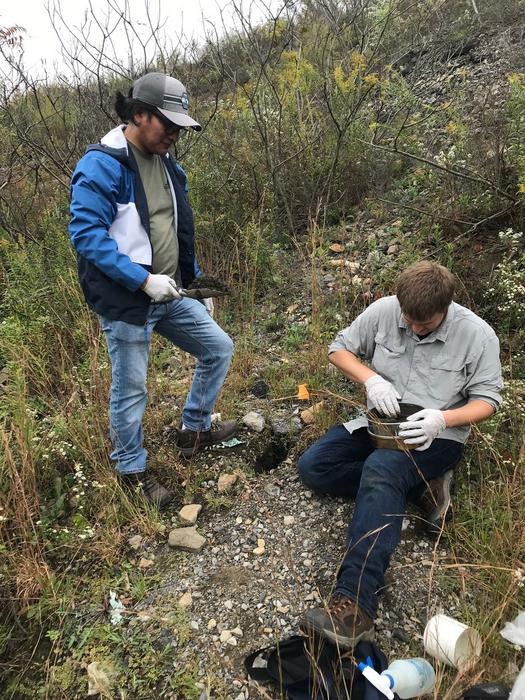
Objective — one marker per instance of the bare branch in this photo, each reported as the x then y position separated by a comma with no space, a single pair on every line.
450,171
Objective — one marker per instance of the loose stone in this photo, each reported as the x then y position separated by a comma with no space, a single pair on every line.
135,542
189,514
186,538
254,421
226,482
185,601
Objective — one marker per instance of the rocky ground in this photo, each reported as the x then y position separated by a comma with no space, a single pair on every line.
264,548
267,557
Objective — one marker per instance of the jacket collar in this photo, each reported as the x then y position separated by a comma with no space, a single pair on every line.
115,138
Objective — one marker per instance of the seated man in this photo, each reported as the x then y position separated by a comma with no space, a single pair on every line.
424,349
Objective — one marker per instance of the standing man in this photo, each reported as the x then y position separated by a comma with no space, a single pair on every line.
132,227
424,349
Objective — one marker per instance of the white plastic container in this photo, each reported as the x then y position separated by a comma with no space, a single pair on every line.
377,680
452,642
410,678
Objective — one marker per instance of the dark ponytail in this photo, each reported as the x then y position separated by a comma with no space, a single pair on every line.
127,107
122,107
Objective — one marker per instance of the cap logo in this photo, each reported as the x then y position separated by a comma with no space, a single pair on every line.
170,101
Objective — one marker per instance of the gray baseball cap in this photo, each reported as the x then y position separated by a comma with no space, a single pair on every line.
168,95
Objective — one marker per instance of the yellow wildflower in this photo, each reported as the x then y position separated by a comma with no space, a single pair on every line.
357,60
371,79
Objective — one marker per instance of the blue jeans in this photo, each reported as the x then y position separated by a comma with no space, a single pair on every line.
347,464
188,325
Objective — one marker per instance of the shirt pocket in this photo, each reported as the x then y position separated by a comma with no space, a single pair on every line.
447,378
388,357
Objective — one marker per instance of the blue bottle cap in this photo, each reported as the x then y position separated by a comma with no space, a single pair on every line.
390,679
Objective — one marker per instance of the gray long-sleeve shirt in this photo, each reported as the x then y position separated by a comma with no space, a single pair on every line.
456,363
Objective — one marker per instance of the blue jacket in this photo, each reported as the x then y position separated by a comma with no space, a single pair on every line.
109,228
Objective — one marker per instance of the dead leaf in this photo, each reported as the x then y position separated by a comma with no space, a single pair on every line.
145,563
337,248
146,614
100,678
308,415
302,392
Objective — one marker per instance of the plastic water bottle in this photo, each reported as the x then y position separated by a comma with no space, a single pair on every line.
410,678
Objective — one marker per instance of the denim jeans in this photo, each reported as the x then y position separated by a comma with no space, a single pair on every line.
188,325
347,464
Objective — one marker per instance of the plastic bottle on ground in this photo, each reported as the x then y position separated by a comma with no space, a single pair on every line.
410,678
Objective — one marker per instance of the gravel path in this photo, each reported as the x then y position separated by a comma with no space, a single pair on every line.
269,556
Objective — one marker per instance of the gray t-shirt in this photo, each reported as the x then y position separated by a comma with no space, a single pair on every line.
162,209
456,363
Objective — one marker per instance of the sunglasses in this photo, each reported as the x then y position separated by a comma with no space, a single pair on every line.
169,127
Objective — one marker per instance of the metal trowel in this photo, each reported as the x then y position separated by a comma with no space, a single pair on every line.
205,287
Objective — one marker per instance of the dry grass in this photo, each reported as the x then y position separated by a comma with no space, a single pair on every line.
58,400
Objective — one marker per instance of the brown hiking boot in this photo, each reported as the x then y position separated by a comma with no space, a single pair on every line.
435,501
342,622
189,442
147,486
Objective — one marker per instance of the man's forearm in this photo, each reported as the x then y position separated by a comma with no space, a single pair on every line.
474,411
347,363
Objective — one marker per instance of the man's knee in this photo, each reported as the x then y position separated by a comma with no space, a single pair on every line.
389,468
220,351
228,346
309,472
224,347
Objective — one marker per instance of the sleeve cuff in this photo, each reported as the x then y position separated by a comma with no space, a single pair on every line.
495,402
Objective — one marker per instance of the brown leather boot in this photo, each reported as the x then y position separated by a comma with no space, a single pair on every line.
342,622
147,486
189,442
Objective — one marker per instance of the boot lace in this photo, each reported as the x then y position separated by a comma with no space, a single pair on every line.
149,484
341,604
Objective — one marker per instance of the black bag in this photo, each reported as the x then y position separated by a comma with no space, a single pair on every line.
313,669
496,691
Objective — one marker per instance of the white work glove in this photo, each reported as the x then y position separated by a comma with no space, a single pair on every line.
422,428
161,288
210,308
383,395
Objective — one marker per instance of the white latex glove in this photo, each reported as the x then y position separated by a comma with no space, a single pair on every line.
210,308
383,395
422,428
161,288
